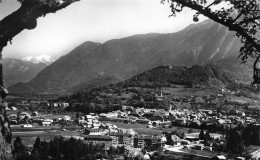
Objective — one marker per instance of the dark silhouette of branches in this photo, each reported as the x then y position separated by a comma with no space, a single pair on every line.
23,18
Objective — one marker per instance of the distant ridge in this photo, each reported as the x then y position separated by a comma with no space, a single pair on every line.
93,64
221,74
16,70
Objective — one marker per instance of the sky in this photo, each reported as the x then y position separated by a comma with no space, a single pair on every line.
91,20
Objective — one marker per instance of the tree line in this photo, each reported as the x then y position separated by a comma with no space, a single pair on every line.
65,149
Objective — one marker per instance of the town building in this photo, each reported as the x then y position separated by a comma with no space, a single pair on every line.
141,141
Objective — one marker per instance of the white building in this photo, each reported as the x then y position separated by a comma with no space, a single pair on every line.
66,118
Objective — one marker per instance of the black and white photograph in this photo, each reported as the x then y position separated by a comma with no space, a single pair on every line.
129,79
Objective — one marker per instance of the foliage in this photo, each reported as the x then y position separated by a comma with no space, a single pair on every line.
19,150
201,135
134,92
207,137
234,142
250,135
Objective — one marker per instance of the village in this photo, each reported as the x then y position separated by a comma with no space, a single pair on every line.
179,132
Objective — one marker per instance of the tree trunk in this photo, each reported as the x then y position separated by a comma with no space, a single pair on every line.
6,135
23,18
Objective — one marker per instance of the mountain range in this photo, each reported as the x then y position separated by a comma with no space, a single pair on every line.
25,69
93,64
16,70
46,59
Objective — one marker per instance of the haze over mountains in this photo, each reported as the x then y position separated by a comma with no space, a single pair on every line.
93,64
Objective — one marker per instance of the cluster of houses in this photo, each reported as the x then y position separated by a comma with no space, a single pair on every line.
89,121
200,118
26,119
98,128
153,118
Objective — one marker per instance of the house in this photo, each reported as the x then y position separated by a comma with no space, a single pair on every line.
121,138
128,131
221,121
83,122
89,123
26,126
205,111
96,125
162,112
139,142
191,138
94,131
112,115
113,130
66,118
109,125
163,139
114,138
47,122
150,125
127,108
22,115
220,157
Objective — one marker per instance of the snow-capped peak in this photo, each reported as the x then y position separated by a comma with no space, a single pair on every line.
39,59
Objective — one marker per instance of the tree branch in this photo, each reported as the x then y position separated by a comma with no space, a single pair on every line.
26,17
226,22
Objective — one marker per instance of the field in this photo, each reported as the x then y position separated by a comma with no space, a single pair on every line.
28,138
180,90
